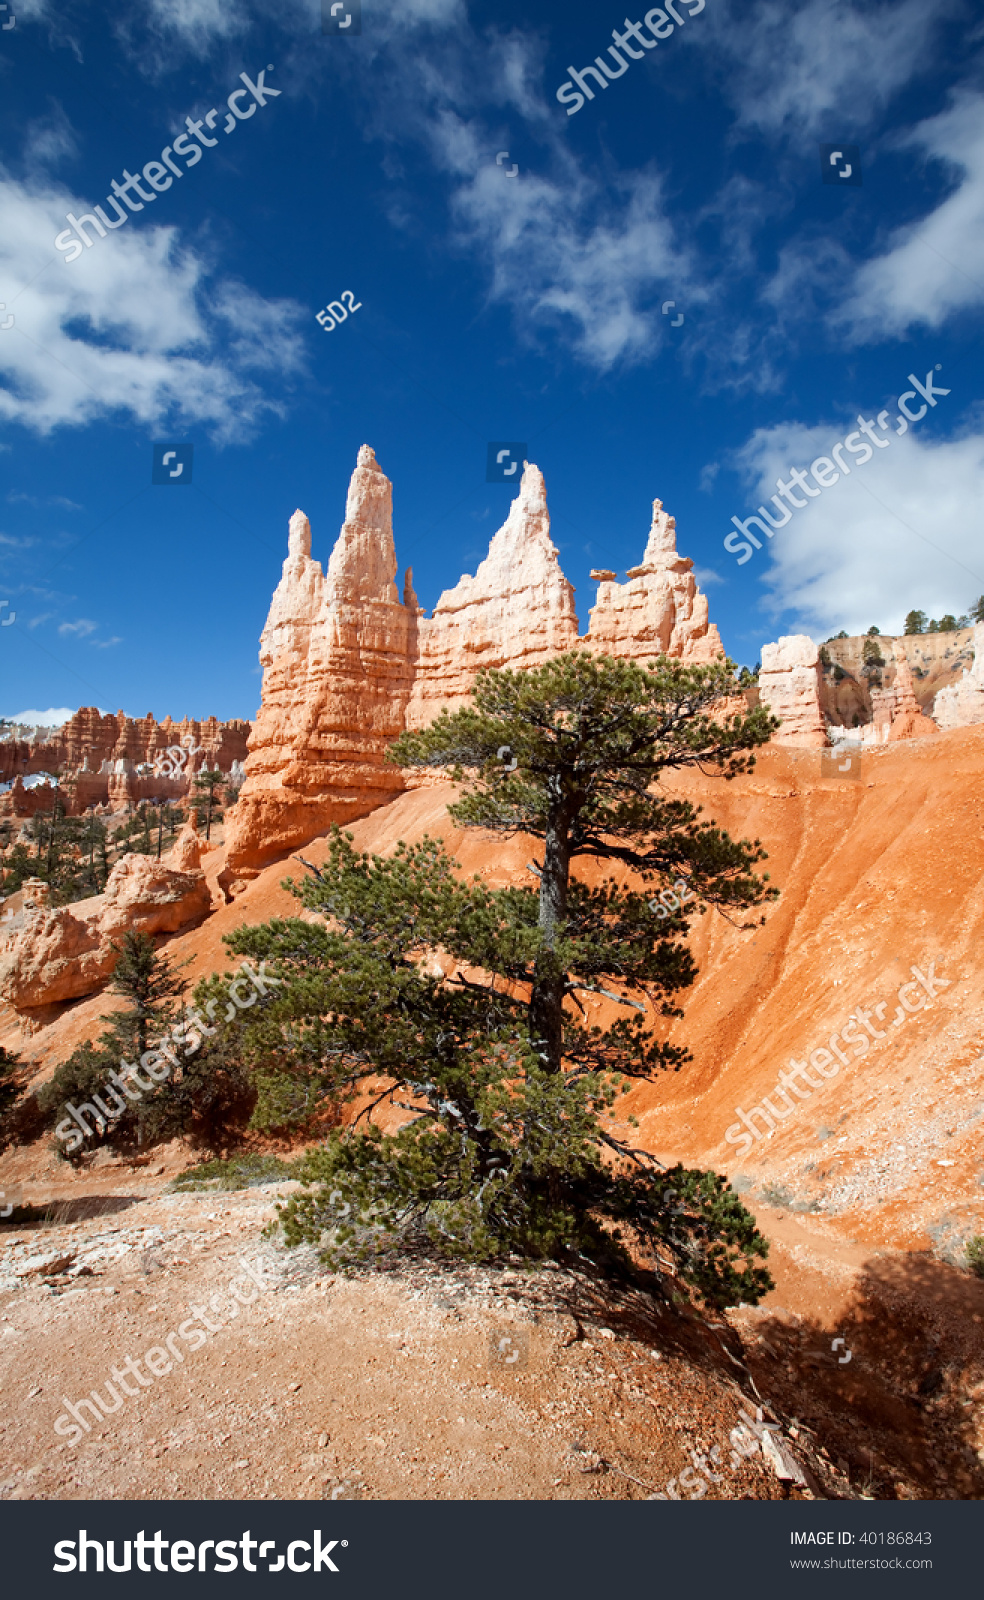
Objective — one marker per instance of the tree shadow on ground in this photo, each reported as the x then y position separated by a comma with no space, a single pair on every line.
895,1402
59,1212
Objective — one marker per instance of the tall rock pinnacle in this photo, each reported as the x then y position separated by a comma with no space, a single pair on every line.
346,667
336,664
517,611
660,610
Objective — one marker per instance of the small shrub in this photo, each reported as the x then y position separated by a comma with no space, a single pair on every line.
237,1172
975,1255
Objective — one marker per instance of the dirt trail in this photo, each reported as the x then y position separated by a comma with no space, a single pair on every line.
420,1383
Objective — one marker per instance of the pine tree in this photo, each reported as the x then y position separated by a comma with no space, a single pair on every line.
977,610
144,978
513,1142
915,623
207,786
872,655
9,1089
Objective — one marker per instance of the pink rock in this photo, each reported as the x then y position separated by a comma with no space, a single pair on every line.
908,721
64,953
517,611
53,956
336,652
789,686
660,610
347,667
962,704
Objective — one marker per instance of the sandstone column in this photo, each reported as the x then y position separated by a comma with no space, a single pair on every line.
336,679
789,686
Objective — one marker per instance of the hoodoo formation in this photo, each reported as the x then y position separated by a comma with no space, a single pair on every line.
337,653
347,666
517,611
106,760
660,610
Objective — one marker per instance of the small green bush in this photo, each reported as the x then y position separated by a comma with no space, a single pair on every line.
244,1171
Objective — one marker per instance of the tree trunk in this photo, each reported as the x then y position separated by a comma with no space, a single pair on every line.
550,980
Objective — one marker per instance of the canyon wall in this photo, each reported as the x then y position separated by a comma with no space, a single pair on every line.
112,759
936,661
962,704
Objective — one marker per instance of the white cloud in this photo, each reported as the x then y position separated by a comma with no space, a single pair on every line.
38,501
562,253
52,718
935,267
131,326
81,629
902,532
824,66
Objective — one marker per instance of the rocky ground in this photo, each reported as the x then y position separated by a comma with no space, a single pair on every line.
428,1381
417,1382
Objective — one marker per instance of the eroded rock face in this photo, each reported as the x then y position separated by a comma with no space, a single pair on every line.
147,896
789,685
115,758
962,705
347,666
517,611
908,721
659,610
336,654
64,953
52,956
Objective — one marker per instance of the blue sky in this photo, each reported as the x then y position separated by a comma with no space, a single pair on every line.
519,307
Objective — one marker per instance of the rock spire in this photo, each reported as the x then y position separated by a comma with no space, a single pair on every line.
660,610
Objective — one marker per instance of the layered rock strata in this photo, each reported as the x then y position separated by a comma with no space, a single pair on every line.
337,653
962,704
789,685
112,759
517,611
347,666
659,610
908,721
